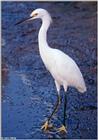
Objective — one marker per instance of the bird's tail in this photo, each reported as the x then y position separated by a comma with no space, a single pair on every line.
82,89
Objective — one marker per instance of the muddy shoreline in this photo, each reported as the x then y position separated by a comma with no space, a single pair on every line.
28,90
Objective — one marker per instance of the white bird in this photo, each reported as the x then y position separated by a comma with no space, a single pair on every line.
62,67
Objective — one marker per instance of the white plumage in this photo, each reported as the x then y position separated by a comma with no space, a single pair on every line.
62,67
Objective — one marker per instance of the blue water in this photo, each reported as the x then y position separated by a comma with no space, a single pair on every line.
28,89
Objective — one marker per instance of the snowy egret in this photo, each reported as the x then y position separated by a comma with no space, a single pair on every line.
62,67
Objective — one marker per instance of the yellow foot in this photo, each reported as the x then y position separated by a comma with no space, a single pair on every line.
62,129
46,126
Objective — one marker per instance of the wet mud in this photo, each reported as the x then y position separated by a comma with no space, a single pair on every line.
28,89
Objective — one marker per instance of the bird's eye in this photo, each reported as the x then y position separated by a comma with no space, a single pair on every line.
35,14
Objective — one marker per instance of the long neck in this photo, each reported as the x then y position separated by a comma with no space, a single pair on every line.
42,36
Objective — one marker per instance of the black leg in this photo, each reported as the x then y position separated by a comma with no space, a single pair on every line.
46,124
65,105
55,108
63,127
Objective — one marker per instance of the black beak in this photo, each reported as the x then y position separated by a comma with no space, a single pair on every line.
23,20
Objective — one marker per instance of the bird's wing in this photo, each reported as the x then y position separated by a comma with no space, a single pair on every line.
64,68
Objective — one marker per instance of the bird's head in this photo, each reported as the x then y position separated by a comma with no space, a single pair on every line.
37,13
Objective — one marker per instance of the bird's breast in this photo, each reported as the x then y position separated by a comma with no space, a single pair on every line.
46,57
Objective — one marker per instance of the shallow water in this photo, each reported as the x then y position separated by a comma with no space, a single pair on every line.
28,90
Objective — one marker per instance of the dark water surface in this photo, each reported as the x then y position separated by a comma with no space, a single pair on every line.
28,90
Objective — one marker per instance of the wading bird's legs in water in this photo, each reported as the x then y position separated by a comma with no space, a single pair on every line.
46,124
65,105
63,127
